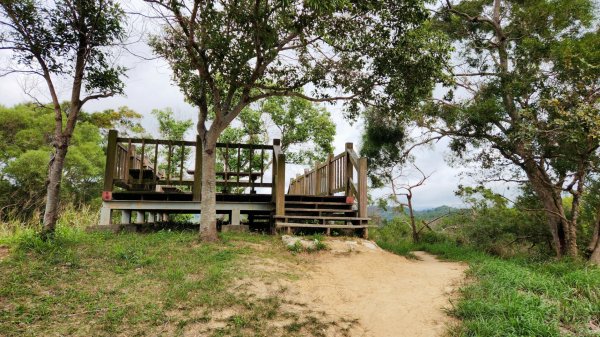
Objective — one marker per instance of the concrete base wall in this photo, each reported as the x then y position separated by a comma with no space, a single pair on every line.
171,207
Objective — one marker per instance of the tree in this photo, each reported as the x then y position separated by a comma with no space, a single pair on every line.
172,129
306,129
125,120
64,40
25,140
521,98
225,55
527,80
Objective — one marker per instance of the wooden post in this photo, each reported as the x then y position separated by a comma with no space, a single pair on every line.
330,174
111,157
318,179
128,161
139,217
126,217
276,144
306,183
197,185
280,193
349,173
362,187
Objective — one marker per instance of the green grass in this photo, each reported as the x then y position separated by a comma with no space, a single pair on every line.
519,296
160,283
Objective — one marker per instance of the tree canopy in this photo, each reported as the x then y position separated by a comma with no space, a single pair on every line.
64,40
521,98
226,55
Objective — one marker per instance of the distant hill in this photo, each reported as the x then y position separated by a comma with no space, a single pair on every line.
427,214
432,213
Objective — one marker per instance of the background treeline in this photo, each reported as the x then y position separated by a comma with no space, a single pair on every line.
27,133
26,147
489,222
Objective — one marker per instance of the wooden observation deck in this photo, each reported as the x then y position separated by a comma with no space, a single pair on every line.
148,180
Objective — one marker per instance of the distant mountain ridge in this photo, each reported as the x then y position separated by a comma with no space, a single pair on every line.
426,214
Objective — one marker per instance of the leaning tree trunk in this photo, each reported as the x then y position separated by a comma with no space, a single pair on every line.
557,224
413,225
208,219
594,246
53,187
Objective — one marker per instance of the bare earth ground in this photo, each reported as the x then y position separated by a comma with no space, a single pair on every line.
369,291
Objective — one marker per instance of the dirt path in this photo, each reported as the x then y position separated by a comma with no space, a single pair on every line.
388,294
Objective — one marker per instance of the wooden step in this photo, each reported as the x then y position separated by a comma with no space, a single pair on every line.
310,217
321,210
306,225
292,202
315,198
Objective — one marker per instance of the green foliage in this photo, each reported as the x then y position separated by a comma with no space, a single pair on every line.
126,121
392,230
27,151
521,101
172,129
307,130
53,35
250,129
377,53
491,226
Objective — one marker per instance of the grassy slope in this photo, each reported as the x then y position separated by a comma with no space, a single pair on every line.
137,284
520,297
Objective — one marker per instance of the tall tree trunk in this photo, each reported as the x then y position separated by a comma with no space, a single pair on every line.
53,187
208,219
594,246
413,225
552,203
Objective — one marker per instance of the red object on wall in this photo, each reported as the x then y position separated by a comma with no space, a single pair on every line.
106,195
349,200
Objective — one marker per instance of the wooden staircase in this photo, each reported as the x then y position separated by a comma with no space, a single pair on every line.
326,212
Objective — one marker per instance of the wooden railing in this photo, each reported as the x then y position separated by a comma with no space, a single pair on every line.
145,164
346,173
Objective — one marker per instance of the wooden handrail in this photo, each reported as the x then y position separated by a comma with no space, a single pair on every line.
336,175
192,143
129,166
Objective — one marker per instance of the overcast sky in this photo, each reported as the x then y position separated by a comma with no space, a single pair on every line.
148,86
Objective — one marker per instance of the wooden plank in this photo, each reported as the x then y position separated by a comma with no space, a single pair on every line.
306,225
324,210
111,157
349,170
142,163
362,187
128,162
191,143
239,164
155,168
317,203
353,157
276,152
262,164
330,174
197,182
312,217
190,182
280,193
317,179
181,164
169,155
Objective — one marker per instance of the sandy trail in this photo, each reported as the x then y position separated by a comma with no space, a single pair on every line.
388,294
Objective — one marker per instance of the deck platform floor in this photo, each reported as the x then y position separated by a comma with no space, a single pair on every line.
151,206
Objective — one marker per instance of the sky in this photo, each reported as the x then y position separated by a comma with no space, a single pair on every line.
148,86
